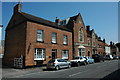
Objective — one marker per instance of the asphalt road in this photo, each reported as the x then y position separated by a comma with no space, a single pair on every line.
96,70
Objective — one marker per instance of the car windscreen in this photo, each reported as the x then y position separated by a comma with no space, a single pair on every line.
51,61
76,58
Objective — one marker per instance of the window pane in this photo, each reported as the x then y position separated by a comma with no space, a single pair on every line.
39,54
54,37
81,51
40,35
65,39
65,54
80,35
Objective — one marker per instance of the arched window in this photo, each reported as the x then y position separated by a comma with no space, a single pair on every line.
81,35
88,42
93,39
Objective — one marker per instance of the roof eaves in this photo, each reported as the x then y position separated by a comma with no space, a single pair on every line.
43,21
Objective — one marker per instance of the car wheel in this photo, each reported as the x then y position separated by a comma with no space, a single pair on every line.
57,68
69,66
78,64
84,63
88,62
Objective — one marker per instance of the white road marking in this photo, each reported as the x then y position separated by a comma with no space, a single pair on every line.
78,73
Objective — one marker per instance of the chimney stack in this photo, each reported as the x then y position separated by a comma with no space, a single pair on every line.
17,8
99,38
104,40
111,43
57,21
88,28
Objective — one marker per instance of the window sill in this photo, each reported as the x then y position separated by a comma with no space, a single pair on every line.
40,41
39,59
53,43
65,58
65,44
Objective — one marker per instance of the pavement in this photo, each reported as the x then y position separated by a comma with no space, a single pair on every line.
107,69
10,72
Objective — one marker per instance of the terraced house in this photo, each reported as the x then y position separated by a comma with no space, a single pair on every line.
31,40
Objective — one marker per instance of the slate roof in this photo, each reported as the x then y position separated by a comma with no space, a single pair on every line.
43,21
73,18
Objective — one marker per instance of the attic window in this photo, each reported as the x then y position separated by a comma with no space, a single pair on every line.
63,22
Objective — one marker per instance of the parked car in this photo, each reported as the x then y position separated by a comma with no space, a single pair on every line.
108,57
78,61
98,57
58,64
89,60
115,57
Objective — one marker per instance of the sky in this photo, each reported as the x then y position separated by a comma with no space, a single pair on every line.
101,16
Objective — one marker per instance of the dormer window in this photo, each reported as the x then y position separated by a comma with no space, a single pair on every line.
63,22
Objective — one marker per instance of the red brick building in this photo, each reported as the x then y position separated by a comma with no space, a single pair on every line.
37,40
113,49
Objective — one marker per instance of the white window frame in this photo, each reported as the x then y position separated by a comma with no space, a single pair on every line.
82,51
80,35
40,35
39,54
65,39
54,37
93,40
65,54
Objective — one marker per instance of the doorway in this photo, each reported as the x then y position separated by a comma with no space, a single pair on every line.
54,53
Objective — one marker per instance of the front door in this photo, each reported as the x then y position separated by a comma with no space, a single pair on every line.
88,53
54,53
94,51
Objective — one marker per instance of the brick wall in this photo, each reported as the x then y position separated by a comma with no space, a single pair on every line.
14,43
32,39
